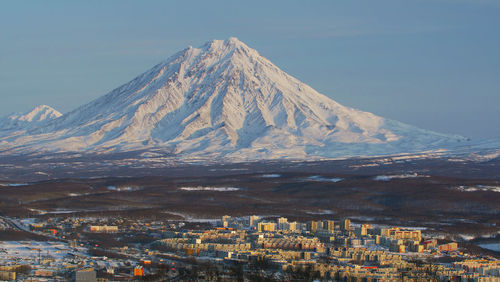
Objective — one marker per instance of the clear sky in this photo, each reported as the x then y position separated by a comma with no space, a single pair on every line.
431,63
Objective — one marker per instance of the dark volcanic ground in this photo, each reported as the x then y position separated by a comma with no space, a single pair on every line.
450,204
37,167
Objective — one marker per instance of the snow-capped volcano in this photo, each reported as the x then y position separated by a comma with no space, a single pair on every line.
223,100
35,117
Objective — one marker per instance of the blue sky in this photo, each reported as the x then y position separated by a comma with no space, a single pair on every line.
431,63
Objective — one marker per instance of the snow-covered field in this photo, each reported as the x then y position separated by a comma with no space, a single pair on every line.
216,189
26,252
466,237
397,176
122,189
319,178
190,218
13,184
273,175
478,188
321,212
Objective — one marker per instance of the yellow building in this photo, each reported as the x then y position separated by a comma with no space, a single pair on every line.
329,225
104,228
294,226
267,227
448,247
398,233
346,224
7,275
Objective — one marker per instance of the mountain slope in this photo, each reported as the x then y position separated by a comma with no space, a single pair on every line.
224,100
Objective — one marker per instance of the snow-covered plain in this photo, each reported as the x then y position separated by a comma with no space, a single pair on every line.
29,251
224,101
13,184
272,175
478,188
397,176
216,189
319,178
121,189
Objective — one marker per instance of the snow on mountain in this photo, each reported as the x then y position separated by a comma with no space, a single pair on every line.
484,150
224,100
22,121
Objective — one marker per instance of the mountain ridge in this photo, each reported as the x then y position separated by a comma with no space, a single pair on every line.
224,100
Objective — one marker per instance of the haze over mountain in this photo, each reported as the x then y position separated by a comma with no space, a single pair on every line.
222,100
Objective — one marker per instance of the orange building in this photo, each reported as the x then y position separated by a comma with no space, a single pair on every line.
430,243
139,271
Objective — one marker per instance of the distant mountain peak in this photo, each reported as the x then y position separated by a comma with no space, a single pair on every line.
224,99
35,117
40,113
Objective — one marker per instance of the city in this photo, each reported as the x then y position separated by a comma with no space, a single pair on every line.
233,248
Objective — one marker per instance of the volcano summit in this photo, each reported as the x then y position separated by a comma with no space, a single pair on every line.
222,100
